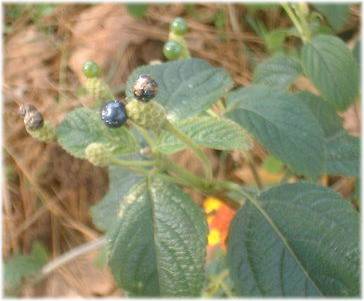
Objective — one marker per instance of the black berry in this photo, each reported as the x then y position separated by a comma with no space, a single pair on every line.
145,88
113,114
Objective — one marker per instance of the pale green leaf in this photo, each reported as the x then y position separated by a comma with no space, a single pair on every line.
158,245
211,132
278,72
186,87
295,240
342,149
283,124
331,67
83,126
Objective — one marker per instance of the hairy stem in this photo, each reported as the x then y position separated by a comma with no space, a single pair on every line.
297,21
195,148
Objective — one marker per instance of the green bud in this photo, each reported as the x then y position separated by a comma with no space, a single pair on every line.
46,133
98,89
179,26
91,69
98,154
172,50
150,115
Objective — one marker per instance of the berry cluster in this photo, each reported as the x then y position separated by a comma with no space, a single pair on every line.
114,113
175,47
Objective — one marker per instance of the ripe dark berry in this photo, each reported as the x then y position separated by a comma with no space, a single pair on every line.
145,88
113,114
172,50
91,69
179,26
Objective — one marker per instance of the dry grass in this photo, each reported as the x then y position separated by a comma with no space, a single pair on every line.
48,193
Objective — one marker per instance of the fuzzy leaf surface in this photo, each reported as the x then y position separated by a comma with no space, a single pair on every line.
331,67
104,213
211,132
300,240
83,126
342,150
186,87
157,246
278,72
283,124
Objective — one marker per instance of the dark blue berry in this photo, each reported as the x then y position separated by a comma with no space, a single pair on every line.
113,114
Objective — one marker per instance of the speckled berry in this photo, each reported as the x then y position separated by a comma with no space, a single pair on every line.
145,88
179,26
113,114
91,69
33,119
172,50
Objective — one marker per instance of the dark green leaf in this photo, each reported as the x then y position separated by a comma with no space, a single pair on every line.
104,214
157,247
342,149
284,125
186,87
84,126
295,240
335,13
21,266
278,72
330,65
212,132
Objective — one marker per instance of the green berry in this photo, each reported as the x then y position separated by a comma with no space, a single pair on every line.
172,50
179,26
91,69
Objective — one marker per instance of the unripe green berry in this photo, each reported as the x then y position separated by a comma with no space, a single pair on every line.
179,26
91,69
150,115
172,50
98,154
46,133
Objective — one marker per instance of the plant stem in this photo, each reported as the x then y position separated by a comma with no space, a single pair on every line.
145,135
196,148
304,32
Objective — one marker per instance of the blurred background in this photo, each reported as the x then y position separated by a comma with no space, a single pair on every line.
47,193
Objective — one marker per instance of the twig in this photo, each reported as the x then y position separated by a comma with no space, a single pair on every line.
72,254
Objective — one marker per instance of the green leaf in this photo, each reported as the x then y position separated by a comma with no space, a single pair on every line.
283,124
342,149
158,246
186,87
138,11
272,164
212,132
83,126
330,65
278,72
295,240
19,266
104,213
336,14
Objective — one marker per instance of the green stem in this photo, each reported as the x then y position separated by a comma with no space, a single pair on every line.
196,148
297,23
189,178
145,135
136,166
